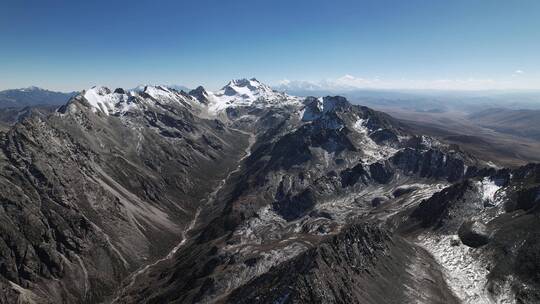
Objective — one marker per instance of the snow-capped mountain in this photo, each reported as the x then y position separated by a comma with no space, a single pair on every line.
247,92
118,102
248,195
237,93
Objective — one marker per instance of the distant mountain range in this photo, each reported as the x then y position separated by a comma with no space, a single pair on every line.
32,96
435,101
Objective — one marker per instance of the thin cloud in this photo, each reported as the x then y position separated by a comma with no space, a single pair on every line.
518,73
350,82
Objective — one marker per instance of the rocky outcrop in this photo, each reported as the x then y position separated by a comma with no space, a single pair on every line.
474,234
435,210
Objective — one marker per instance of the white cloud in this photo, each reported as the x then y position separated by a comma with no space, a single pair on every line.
518,73
284,82
349,82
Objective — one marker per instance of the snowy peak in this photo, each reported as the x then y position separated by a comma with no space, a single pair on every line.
102,99
237,93
117,102
246,87
160,93
248,93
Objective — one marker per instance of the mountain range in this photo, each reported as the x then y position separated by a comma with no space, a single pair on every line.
32,96
251,195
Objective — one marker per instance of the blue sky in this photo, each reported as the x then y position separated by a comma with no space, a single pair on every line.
71,45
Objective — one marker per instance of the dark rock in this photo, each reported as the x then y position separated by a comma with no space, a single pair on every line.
474,234
434,210
380,173
351,176
404,190
293,207
377,201
200,94
384,136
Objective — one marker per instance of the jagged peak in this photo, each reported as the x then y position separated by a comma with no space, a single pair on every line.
200,94
248,92
103,99
315,107
199,89
147,87
240,86
245,82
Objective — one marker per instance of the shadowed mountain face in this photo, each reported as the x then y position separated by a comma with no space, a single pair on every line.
250,195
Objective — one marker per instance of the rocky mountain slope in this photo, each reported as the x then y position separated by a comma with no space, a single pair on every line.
90,194
251,195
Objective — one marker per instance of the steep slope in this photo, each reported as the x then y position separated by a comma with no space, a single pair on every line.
107,184
483,231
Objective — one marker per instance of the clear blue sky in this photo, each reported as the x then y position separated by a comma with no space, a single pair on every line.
68,45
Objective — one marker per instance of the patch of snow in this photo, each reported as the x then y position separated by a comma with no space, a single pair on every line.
161,93
101,98
492,165
429,142
488,188
372,151
360,126
465,271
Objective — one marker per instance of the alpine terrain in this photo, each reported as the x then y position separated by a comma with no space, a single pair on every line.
250,195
